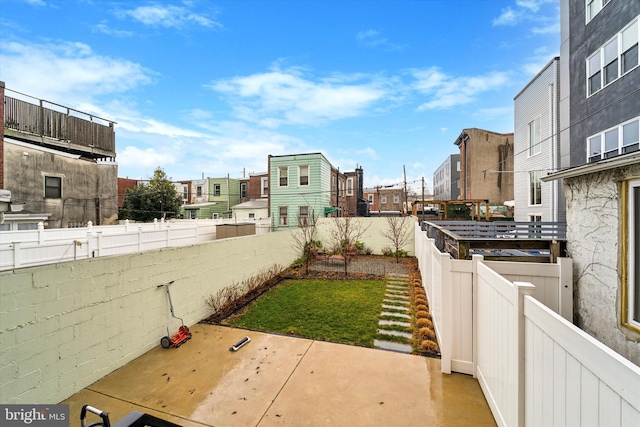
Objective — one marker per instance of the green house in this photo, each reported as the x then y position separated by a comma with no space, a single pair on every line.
223,194
299,189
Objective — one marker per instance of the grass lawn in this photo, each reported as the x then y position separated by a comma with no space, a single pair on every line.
344,311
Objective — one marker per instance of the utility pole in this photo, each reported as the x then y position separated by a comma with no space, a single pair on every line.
406,196
422,199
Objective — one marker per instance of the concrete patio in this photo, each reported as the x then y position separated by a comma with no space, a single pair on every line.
281,380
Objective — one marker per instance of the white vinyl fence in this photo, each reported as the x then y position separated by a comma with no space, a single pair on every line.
28,248
534,367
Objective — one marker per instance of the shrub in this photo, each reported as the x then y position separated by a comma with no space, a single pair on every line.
421,314
428,323
427,334
420,301
422,307
387,251
422,323
429,347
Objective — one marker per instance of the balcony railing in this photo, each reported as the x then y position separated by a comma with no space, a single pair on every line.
68,129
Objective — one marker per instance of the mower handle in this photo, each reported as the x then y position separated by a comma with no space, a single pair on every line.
104,415
165,284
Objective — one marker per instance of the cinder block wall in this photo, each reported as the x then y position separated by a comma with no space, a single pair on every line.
63,327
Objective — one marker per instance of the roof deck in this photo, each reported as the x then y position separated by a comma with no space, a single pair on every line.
63,128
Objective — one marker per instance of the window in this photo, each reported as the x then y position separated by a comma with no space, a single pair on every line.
621,139
629,47
283,176
243,190
216,190
534,137
193,214
283,215
383,199
214,215
349,186
370,198
252,215
614,59
595,6
396,198
303,175
535,230
264,184
631,289
199,191
333,184
185,192
535,188
303,215
52,187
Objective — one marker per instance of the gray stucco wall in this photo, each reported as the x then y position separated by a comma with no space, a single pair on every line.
593,240
83,182
611,105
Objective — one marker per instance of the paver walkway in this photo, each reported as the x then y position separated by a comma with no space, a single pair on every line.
396,307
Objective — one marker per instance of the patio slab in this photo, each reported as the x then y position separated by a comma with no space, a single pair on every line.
276,380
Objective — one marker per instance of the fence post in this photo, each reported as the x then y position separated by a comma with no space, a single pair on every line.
41,233
155,223
140,238
475,260
126,225
99,233
565,276
447,312
168,237
520,290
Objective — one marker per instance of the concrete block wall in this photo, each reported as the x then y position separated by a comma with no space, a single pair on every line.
65,326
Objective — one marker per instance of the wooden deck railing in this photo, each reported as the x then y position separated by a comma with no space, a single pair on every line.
71,129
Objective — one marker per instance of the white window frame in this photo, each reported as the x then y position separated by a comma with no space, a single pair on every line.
535,189
535,146
383,199
199,191
598,5
619,132
243,190
217,190
370,198
281,177
350,186
193,214
396,199
303,215
300,175
283,220
596,63
264,186
631,284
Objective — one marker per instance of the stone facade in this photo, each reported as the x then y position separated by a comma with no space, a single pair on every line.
594,243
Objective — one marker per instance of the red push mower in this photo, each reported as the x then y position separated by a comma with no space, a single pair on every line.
182,335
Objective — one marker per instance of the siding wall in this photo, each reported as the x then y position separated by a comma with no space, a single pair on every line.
317,195
538,100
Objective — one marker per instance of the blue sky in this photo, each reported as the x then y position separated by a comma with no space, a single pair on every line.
213,87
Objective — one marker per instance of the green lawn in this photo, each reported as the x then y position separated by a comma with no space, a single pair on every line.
343,311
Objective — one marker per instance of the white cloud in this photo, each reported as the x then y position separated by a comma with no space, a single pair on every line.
104,28
167,16
281,97
507,17
373,39
136,158
446,91
531,11
67,72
